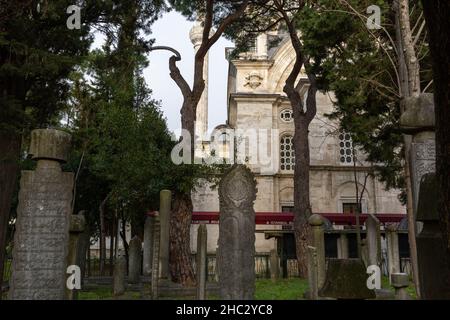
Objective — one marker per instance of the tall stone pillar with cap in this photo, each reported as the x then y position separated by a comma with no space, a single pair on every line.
43,219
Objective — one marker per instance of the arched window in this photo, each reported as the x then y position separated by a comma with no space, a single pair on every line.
287,156
286,115
345,148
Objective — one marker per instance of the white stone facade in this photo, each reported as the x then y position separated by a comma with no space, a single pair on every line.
256,101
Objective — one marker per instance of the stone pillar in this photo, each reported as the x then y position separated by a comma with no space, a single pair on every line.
400,281
262,46
148,246
165,200
236,256
312,274
155,256
318,242
274,265
120,271
77,225
373,238
343,246
431,250
419,118
393,249
202,260
42,226
135,259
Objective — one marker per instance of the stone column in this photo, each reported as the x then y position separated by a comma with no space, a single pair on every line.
148,246
135,259
312,274
318,242
155,256
431,250
120,271
400,281
274,265
373,238
343,246
202,260
236,256
165,200
393,249
77,224
42,226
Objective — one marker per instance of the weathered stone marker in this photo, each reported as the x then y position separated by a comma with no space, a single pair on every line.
165,200
313,292
202,260
400,281
346,279
274,265
318,241
373,238
135,259
236,255
77,225
120,271
42,226
148,246
430,245
393,249
155,257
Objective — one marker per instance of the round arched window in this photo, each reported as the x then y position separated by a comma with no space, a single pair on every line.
287,156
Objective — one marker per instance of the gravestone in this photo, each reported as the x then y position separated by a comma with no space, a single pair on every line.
236,255
373,240
419,116
316,223
346,279
343,246
135,259
77,225
165,200
313,291
202,260
430,244
155,257
148,246
274,265
120,271
393,249
42,226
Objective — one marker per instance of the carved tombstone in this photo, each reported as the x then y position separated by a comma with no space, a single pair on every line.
236,254
148,246
373,238
77,225
430,244
42,226
134,260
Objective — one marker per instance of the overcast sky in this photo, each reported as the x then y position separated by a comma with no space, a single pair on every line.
173,30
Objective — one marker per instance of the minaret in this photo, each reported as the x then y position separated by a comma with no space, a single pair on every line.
201,126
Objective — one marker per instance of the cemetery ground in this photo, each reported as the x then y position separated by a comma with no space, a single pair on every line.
265,289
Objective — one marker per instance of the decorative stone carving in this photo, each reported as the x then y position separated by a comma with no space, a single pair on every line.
236,262
253,80
42,226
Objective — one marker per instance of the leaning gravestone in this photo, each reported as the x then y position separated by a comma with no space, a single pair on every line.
373,238
148,246
134,263
120,271
42,227
430,244
236,254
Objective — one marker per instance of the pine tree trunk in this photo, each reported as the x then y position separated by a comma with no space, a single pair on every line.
10,145
302,207
181,269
